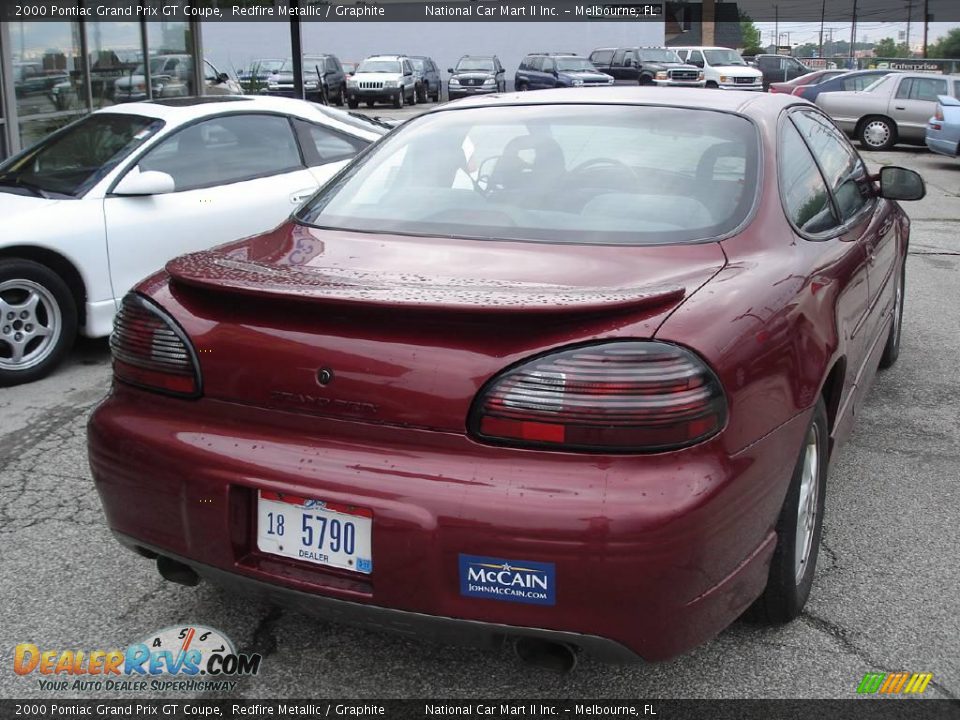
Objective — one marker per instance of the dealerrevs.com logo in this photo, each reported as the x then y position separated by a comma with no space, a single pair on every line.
189,659
523,581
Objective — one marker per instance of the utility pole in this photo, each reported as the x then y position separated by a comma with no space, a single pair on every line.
823,12
853,33
909,14
926,25
776,27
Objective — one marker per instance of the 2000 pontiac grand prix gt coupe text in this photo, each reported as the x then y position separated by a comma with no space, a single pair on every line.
508,375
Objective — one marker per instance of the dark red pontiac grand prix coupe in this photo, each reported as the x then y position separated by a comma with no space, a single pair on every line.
565,368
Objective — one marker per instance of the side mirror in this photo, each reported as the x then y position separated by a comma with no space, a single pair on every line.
222,78
450,70
150,182
897,183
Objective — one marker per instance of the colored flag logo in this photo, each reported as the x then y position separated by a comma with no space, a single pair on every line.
901,683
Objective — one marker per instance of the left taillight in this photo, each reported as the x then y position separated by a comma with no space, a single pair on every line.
151,351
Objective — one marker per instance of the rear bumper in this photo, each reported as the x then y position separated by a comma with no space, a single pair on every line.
940,145
398,622
655,554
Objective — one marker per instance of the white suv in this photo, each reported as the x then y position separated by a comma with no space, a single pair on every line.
387,78
722,68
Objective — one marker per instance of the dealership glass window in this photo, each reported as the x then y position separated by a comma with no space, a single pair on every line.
171,56
226,150
804,190
115,54
48,76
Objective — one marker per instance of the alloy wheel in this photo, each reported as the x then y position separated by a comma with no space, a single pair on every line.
30,324
807,503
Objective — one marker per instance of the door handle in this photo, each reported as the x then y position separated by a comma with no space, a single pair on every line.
900,107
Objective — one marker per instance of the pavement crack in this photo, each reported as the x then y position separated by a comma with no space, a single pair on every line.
264,640
839,635
927,252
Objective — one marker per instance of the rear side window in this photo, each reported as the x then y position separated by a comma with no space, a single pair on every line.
859,82
922,89
322,145
806,199
845,172
602,56
226,150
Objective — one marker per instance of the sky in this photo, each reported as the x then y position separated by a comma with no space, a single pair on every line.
804,32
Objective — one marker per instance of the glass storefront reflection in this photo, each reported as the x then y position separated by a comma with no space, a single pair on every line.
53,83
171,63
47,67
115,54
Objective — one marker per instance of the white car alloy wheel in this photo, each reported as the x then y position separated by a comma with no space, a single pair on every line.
30,324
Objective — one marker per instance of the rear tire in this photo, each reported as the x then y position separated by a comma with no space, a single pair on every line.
892,349
38,321
799,529
877,133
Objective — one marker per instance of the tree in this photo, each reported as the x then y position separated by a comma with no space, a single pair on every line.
887,48
750,34
807,50
947,47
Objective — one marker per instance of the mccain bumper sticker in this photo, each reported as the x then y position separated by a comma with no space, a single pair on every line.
521,581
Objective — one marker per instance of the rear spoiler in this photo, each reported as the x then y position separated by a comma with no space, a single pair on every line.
946,100
214,272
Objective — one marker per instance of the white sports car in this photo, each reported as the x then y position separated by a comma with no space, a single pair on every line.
109,199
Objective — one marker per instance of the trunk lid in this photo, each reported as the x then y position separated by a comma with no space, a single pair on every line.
408,328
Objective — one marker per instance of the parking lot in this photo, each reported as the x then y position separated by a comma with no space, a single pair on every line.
884,598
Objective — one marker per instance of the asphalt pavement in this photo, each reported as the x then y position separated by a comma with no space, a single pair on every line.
885,596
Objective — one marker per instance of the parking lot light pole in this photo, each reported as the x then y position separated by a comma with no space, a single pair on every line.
296,49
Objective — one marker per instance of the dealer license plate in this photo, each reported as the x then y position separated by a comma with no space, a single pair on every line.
315,531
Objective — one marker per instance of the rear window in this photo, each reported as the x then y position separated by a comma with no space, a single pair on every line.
552,173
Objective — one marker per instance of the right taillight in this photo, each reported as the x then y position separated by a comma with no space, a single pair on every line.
622,396
151,351
938,115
